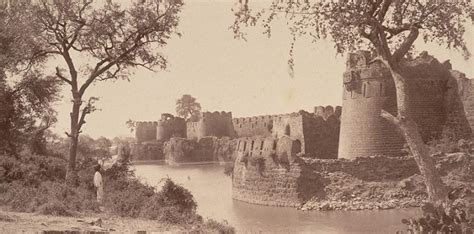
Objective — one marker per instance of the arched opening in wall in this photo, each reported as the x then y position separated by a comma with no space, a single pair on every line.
287,130
245,145
261,146
251,146
274,145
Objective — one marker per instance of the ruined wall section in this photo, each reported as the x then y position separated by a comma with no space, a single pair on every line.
264,172
317,133
170,126
465,93
321,132
145,131
147,151
206,149
253,126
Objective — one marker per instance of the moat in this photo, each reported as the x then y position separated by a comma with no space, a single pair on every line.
213,193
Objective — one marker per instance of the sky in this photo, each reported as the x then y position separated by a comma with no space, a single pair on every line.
248,78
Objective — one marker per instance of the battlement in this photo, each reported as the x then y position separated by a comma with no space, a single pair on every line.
327,111
215,123
215,115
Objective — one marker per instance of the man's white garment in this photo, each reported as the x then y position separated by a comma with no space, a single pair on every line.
99,185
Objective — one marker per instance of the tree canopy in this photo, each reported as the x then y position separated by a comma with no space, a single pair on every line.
111,38
188,108
386,27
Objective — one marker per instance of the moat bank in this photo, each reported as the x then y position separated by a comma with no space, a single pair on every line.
213,193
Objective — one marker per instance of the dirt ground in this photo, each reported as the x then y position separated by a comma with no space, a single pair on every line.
15,222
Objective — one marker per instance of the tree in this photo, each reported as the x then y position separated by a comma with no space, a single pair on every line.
188,108
112,39
389,29
25,105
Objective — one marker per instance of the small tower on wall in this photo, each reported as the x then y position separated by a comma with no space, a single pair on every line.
368,88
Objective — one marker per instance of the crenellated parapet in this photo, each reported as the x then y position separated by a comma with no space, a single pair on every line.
327,111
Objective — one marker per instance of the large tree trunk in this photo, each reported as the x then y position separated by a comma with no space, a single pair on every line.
71,176
435,187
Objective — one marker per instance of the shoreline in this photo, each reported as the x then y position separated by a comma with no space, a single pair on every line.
164,163
20,222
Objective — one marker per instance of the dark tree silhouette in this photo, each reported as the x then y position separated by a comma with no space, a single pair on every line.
187,107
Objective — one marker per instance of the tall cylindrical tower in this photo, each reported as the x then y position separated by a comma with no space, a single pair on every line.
368,88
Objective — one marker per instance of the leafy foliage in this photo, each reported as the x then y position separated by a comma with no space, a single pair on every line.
27,113
187,107
385,26
453,218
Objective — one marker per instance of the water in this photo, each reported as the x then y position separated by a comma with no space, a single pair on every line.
213,193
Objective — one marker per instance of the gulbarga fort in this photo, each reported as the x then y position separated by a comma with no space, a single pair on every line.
283,160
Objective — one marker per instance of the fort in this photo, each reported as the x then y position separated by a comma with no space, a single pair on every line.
317,133
284,160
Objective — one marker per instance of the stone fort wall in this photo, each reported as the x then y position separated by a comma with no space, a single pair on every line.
318,132
369,88
218,124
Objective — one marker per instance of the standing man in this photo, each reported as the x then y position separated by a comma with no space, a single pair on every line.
98,184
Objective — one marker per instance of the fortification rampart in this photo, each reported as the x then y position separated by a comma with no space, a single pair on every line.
170,126
369,88
145,131
218,124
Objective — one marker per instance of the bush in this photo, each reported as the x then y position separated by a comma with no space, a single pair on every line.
173,204
224,227
126,196
452,218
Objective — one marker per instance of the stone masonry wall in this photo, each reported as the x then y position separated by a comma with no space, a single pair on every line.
145,131
278,183
181,150
147,151
170,126
369,88
218,124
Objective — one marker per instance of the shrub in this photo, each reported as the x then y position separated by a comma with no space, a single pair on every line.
126,196
173,204
452,218
224,227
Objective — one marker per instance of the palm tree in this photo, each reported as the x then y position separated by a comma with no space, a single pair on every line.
187,107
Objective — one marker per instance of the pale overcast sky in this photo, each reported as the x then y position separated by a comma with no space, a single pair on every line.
224,74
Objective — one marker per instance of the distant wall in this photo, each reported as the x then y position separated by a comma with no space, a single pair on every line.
145,131
253,126
147,151
170,126
181,150
218,124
